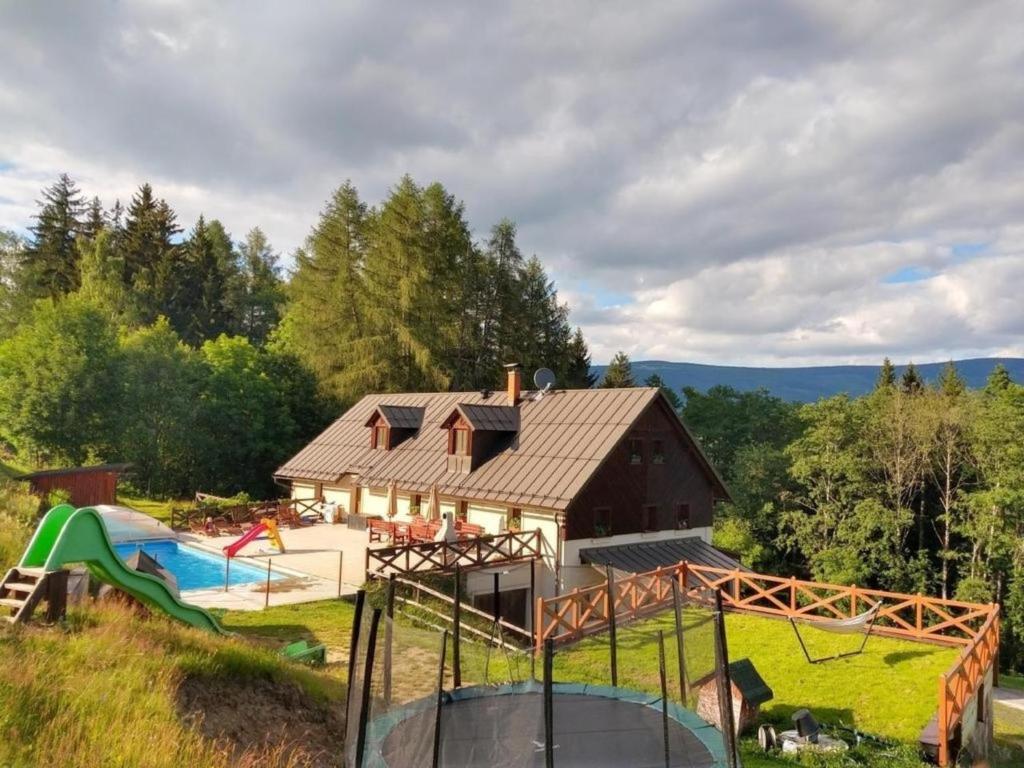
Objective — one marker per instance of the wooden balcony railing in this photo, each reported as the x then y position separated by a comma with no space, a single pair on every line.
973,626
469,553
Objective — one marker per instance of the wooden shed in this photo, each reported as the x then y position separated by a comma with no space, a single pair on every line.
87,485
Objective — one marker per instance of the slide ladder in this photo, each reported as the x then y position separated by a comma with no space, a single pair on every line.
68,535
20,592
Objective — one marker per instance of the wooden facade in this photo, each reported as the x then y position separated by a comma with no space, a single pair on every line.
87,486
652,480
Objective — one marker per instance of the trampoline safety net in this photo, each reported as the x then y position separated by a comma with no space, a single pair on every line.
639,696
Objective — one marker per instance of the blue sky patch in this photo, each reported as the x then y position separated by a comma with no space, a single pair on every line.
911,274
966,251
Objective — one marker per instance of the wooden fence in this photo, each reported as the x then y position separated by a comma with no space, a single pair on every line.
972,626
238,513
476,552
964,680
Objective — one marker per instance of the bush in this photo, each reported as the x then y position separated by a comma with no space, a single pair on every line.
19,511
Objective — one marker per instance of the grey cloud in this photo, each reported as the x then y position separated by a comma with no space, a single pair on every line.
662,145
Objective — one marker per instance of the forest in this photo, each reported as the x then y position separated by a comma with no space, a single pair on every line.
201,361
914,487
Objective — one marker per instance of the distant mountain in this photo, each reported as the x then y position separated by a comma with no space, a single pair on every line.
806,384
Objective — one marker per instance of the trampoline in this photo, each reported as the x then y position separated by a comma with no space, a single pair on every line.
503,727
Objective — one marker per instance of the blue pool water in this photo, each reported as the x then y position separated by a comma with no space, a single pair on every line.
194,568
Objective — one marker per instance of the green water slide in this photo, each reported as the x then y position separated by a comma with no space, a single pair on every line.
68,535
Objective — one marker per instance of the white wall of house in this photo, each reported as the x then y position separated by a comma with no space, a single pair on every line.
373,501
492,518
303,491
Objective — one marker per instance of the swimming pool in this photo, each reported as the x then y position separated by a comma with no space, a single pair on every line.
194,568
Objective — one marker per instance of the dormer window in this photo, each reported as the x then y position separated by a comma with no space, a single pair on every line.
391,424
458,445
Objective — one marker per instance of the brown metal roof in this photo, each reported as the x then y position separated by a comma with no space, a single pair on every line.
489,418
561,440
400,416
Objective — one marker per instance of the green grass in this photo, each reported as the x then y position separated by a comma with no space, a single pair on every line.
9,469
1011,681
161,510
104,690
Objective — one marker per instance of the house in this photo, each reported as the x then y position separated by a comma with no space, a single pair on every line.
594,469
85,486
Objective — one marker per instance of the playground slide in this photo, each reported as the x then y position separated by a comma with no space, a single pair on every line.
68,535
266,525
251,535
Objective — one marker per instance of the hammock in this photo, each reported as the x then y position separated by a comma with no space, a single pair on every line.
861,623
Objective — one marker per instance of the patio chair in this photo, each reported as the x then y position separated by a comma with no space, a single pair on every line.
861,623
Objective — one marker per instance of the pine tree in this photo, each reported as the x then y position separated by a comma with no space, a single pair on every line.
654,380
999,380
911,382
149,254
950,382
51,260
262,292
94,220
196,303
543,333
578,366
886,375
619,374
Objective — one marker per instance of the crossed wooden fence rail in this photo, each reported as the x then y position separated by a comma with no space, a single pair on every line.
475,552
972,626
251,512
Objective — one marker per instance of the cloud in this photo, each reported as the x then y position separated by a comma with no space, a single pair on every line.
712,181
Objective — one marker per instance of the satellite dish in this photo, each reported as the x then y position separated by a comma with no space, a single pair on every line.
544,379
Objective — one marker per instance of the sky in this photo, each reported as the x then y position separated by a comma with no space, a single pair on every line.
751,183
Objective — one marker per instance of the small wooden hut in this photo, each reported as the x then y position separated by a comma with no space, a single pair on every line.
87,486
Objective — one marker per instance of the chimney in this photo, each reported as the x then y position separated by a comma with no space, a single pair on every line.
515,383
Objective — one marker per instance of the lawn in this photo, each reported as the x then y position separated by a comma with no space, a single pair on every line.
161,510
888,691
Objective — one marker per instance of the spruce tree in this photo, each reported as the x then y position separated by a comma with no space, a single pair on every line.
619,374
196,302
149,254
262,291
51,260
999,380
950,383
578,373
654,380
94,220
911,382
886,375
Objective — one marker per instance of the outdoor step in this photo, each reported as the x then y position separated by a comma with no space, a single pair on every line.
36,573
17,586
11,603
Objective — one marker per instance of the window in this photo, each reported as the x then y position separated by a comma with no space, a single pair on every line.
682,516
636,451
380,437
650,521
602,522
658,452
459,445
515,519
462,511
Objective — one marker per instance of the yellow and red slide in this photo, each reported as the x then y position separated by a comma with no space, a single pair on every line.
266,525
